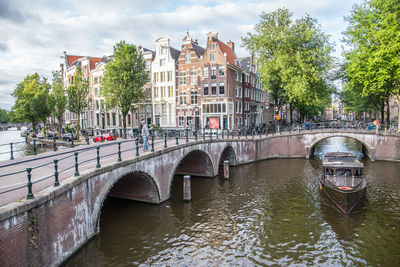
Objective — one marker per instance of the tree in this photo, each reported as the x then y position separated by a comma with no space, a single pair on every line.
294,59
373,60
29,95
77,94
59,99
124,79
4,118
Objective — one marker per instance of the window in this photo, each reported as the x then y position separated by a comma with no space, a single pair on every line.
236,91
114,122
96,80
169,74
162,76
182,97
97,104
181,121
221,88
108,119
155,77
102,104
170,91
97,119
221,71
147,67
213,89
155,94
163,92
212,47
212,57
182,78
188,57
213,73
193,97
162,62
96,91
205,89
205,72
189,121
193,77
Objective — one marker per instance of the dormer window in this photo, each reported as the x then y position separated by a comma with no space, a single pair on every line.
212,47
162,62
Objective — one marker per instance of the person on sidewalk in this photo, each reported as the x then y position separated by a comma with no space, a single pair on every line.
145,135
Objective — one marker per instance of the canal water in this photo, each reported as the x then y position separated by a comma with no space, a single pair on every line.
269,213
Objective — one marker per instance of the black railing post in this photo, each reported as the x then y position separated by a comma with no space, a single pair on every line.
72,141
34,147
101,134
176,137
54,144
98,157
216,132
152,142
246,134
87,139
165,140
211,133
29,184
26,138
223,133
187,135
56,182
11,151
119,152
195,135
204,136
137,146
76,164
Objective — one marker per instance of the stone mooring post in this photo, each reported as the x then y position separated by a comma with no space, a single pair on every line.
187,196
226,169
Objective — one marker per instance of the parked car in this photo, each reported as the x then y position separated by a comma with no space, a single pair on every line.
52,135
105,137
68,137
40,135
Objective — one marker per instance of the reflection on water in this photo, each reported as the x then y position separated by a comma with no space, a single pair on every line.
270,212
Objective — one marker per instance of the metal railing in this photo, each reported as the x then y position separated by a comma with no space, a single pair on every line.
73,160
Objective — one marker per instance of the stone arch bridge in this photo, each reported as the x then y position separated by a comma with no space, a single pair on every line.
49,228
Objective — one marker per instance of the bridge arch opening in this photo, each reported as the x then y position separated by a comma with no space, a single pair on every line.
228,154
362,147
135,186
196,163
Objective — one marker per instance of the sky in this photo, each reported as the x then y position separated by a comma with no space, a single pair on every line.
34,34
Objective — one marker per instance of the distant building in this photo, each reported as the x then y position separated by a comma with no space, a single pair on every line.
163,69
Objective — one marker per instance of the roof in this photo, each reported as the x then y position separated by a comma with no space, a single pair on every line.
93,61
230,55
244,63
71,59
341,160
198,49
174,53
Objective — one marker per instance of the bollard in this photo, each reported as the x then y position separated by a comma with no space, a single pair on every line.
54,144
11,151
137,146
165,140
119,152
76,164
176,137
152,142
98,157
187,196
56,182
226,169
29,184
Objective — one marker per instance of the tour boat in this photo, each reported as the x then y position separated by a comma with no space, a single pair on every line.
342,181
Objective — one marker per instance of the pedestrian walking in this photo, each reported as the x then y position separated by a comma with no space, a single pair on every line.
145,135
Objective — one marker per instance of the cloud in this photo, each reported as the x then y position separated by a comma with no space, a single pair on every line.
3,47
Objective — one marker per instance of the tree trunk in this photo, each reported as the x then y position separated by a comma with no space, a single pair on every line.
387,112
78,126
291,114
398,115
59,128
383,112
124,124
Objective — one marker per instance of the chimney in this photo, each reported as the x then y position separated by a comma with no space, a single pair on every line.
231,45
196,41
213,36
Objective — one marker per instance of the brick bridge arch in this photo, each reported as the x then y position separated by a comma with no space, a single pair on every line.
366,147
228,154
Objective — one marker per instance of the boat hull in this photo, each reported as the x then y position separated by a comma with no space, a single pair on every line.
344,200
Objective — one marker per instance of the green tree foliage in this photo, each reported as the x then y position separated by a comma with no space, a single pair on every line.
4,118
124,79
32,101
373,61
294,60
59,99
77,92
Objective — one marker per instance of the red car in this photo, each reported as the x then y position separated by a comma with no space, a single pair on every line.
106,137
